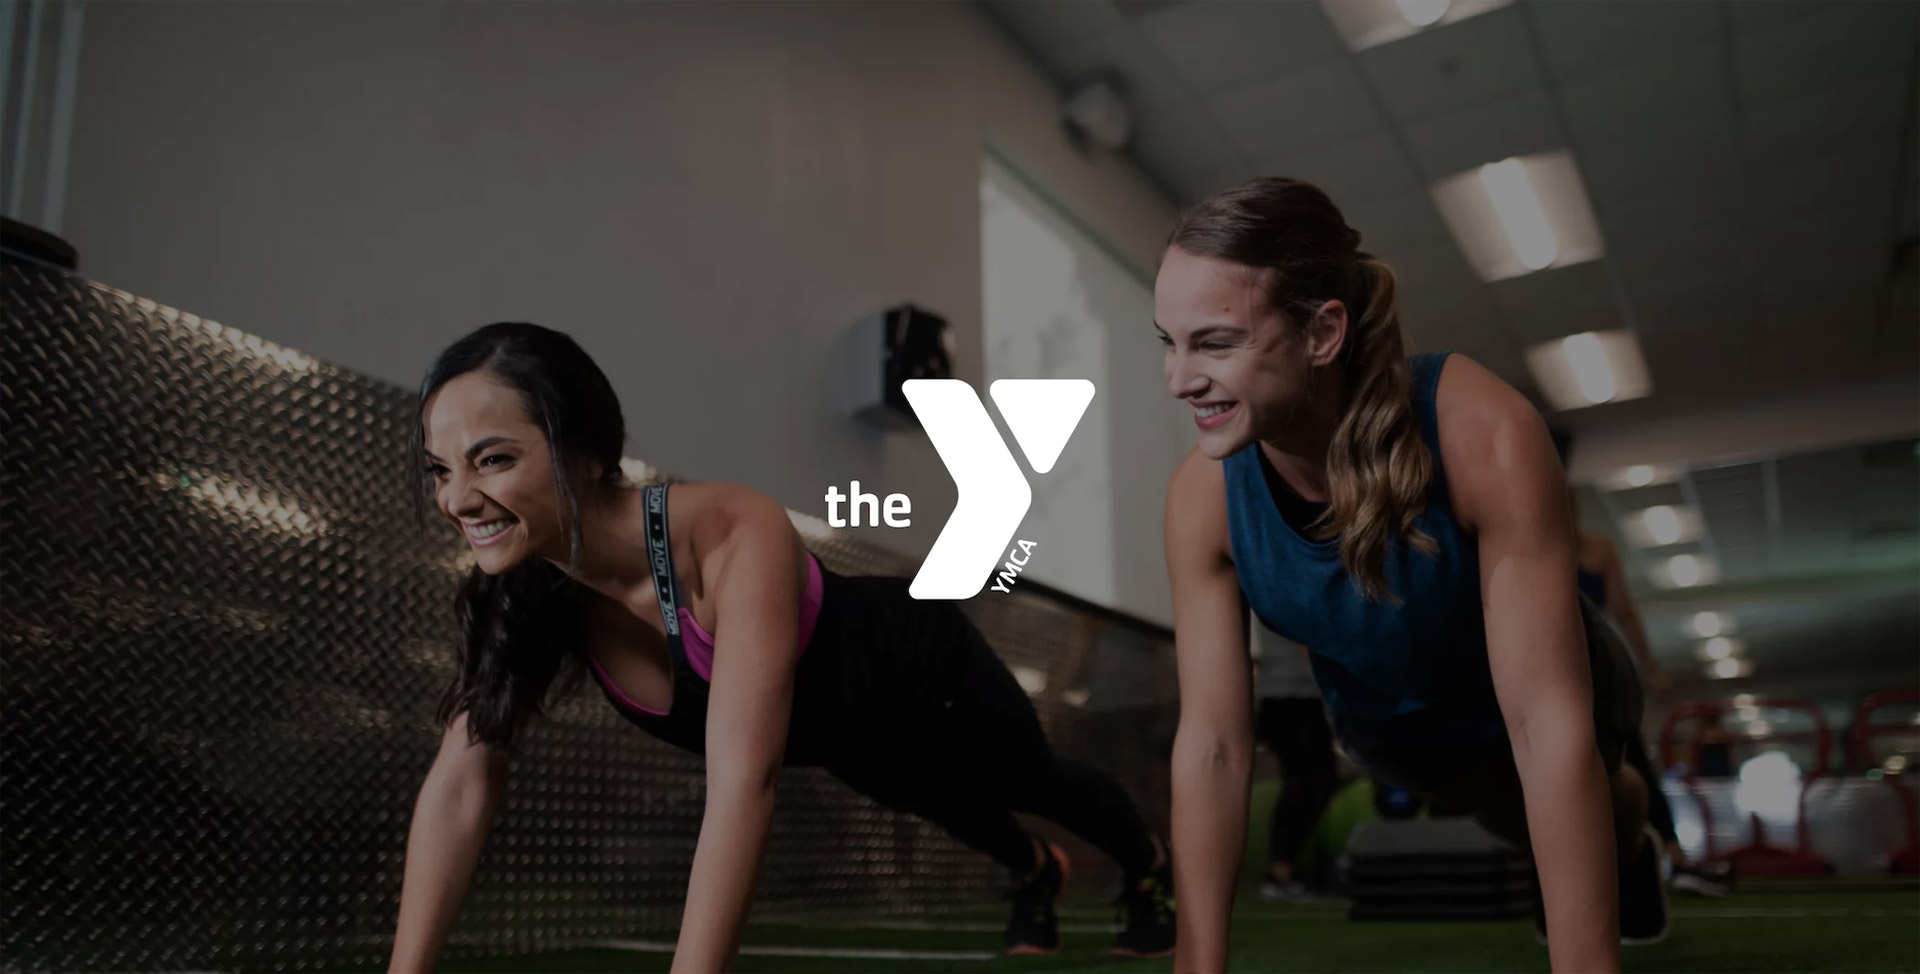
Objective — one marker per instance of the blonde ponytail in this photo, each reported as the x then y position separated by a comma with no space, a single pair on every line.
1378,467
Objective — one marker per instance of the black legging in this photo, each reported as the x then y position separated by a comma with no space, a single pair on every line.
969,763
1296,730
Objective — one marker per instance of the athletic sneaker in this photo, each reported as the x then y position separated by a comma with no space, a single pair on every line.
1285,891
1034,925
1695,881
1643,896
1146,915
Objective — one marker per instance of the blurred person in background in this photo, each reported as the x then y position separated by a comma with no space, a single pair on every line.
1292,723
1603,582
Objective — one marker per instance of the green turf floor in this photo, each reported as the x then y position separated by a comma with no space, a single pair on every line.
1834,927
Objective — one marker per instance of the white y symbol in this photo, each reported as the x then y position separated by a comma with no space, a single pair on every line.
994,496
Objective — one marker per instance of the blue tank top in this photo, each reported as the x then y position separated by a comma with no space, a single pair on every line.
1407,673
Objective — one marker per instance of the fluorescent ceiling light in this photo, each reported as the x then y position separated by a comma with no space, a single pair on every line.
1639,475
1707,625
1371,23
1422,13
1720,647
1663,525
1520,215
1518,208
1589,368
1686,571
1728,669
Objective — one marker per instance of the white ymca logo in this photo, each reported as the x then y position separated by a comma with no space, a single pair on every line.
994,495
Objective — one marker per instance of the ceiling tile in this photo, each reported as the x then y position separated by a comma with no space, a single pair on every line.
1590,38
1454,66
1669,91
1453,141
1213,45
1682,259
1047,24
1148,79
1827,310
1320,105
1558,302
1811,122
1717,310
1749,17
1840,42
1185,146
1386,221
1859,173
1362,167
1640,127
1706,203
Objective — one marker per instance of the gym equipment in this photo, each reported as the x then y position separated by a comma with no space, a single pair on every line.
1905,860
1436,869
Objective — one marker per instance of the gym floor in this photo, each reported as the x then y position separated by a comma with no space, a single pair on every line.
1838,925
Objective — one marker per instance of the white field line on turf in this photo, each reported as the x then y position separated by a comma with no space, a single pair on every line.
841,953
935,926
1788,913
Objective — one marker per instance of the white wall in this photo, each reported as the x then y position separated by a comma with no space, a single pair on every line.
704,195
1059,305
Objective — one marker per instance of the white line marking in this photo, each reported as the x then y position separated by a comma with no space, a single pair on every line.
923,926
845,953
1788,913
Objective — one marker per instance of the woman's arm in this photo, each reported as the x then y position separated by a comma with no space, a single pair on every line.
451,819
1213,750
1620,604
1508,485
756,599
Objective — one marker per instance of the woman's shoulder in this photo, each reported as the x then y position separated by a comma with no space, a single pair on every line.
1493,442
1196,511
1479,411
714,512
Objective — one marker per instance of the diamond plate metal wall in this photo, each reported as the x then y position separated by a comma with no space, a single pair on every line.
221,640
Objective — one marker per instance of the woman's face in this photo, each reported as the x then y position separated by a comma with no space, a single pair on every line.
1236,360
492,472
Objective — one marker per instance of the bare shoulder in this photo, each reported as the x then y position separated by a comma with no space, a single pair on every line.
722,515
1196,510
1493,443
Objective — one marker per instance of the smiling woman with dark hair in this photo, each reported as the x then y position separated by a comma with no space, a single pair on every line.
707,623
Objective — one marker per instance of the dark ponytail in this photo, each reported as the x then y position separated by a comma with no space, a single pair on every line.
520,628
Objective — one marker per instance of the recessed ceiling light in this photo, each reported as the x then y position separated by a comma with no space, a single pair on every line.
1589,368
1684,570
1719,647
1638,475
1727,669
1743,700
1707,625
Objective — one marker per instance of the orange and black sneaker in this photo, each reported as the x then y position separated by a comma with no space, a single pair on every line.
1146,915
1033,927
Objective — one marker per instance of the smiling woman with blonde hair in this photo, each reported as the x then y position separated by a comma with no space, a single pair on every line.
1405,519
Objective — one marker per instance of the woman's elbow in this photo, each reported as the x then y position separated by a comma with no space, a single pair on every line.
1211,751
